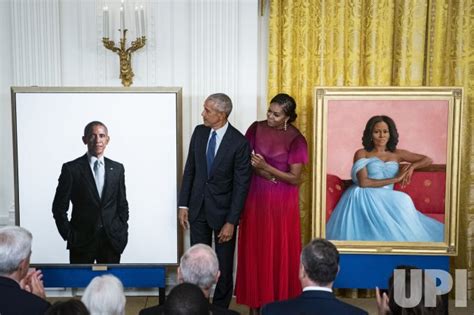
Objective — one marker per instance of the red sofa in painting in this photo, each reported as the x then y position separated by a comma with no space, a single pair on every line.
426,189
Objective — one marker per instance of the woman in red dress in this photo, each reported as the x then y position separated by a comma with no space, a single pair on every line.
269,233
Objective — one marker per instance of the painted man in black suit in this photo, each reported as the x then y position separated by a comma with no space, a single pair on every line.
214,187
318,270
21,290
95,185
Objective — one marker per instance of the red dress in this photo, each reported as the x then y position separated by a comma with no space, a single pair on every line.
269,233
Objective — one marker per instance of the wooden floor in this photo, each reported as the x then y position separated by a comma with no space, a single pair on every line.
136,303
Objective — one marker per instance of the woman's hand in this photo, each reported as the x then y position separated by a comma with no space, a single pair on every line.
258,161
265,170
402,173
408,170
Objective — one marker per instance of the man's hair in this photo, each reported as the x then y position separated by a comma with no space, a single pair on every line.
15,246
320,260
89,126
222,101
186,299
199,266
69,307
104,295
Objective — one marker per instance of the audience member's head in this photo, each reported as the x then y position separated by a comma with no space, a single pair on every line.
199,266
15,251
186,299
319,263
69,307
105,295
419,288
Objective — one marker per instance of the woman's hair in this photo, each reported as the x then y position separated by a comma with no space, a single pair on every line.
369,128
105,295
287,103
69,307
418,288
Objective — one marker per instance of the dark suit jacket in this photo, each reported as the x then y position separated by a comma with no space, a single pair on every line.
76,184
225,191
215,310
312,303
15,301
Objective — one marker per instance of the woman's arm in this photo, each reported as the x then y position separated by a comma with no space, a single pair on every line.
416,161
292,177
365,181
264,174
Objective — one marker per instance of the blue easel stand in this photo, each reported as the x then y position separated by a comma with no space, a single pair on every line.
80,277
369,271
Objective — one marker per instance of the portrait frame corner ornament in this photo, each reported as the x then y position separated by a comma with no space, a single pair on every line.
442,105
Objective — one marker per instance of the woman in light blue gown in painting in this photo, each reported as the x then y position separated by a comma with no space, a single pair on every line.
370,210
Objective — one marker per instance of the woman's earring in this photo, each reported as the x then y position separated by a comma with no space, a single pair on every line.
284,127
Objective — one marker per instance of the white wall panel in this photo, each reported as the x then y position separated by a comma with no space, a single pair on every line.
203,46
6,78
35,42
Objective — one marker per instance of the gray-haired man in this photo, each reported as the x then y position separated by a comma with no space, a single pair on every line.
21,290
198,266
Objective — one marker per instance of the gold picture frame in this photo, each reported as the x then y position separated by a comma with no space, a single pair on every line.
432,127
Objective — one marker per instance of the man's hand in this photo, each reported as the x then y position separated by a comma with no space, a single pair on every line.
183,218
226,233
382,302
33,283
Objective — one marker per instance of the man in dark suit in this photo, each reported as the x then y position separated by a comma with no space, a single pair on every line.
197,266
214,187
21,290
95,185
318,269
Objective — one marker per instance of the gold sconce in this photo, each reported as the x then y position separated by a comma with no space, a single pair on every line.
124,53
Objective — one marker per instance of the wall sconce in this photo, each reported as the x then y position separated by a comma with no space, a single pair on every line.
125,54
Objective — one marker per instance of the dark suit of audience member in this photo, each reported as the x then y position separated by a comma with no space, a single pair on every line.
98,230
160,309
21,291
318,269
214,187
198,266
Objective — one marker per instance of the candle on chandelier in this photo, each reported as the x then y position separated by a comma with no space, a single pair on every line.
122,19
142,13
106,22
137,22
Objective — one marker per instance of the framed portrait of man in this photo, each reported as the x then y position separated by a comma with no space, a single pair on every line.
387,163
96,173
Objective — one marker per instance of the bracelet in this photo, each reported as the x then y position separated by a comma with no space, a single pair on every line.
273,179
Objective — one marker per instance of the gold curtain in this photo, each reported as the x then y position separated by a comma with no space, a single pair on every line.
376,43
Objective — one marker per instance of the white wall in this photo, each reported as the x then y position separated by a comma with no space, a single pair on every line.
204,46
6,79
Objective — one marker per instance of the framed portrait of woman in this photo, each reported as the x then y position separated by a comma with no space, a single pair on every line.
387,168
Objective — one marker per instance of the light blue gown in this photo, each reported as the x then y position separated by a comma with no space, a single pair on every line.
380,214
